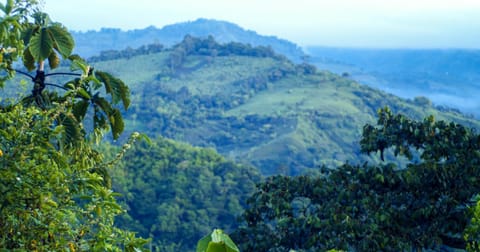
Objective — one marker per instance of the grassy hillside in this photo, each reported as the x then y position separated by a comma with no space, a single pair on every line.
266,111
254,106
447,77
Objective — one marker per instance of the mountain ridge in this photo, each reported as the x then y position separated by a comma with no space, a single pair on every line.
91,43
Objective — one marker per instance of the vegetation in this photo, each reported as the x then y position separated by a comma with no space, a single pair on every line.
91,43
375,207
54,192
175,193
448,77
217,241
255,107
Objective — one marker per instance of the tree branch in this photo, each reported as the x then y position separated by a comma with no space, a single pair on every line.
24,73
73,74
55,85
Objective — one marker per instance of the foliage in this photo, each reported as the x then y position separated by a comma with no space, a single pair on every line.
216,241
381,207
45,40
446,76
54,193
281,117
12,24
93,42
174,192
51,198
472,232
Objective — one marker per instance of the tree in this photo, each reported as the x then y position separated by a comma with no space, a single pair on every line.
375,207
176,192
54,192
472,232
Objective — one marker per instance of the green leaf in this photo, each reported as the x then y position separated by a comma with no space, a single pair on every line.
62,40
41,45
202,244
9,7
28,60
116,123
80,109
83,93
53,60
28,33
115,87
72,132
79,64
217,241
216,247
114,116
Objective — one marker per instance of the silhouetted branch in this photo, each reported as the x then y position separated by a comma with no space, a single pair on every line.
55,85
73,74
24,73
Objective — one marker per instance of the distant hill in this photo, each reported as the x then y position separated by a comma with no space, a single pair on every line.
91,43
254,106
449,77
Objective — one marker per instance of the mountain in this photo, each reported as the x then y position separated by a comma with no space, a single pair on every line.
91,43
255,106
175,193
448,77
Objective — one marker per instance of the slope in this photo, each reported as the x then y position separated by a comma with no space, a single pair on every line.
257,107
446,76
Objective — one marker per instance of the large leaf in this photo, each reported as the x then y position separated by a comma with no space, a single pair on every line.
28,33
116,123
217,241
116,87
72,131
113,115
28,60
62,40
53,60
80,109
41,45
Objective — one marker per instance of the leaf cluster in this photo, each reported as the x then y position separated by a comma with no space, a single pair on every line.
379,207
174,192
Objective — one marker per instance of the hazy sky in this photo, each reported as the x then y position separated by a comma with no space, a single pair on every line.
358,23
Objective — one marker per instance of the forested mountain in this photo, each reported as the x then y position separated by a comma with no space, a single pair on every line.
449,77
255,106
91,43
176,193
60,175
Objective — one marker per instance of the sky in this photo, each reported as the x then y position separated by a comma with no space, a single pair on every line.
338,23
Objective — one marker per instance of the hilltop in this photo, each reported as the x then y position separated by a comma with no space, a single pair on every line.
91,43
255,106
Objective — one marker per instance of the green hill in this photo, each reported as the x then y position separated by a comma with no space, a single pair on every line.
254,106
446,76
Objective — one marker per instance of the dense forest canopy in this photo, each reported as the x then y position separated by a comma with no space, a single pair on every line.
58,177
376,207
54,190
176,193
253,105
